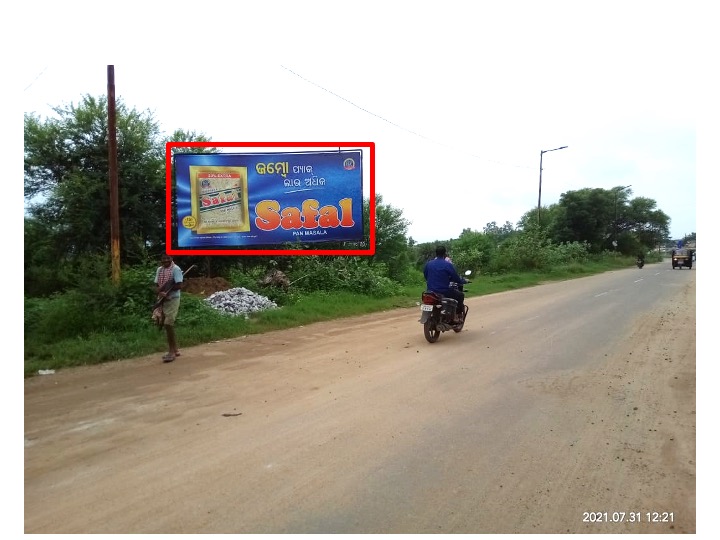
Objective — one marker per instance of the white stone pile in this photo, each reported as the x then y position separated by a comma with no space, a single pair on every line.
239,301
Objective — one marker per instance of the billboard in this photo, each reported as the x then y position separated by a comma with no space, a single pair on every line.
258,203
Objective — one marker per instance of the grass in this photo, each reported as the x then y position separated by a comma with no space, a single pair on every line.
198,323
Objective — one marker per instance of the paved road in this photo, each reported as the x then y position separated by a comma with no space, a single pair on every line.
560,408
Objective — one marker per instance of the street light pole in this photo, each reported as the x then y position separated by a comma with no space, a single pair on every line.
540,185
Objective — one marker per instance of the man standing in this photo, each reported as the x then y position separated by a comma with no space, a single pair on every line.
439,273
168,279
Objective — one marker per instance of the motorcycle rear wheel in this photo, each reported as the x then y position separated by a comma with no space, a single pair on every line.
431,332
459,327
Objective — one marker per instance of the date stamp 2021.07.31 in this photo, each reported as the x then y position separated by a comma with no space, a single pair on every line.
628,517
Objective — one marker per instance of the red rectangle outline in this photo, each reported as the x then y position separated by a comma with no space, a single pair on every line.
290,252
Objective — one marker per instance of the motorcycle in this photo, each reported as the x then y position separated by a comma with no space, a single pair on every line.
437,313
640,263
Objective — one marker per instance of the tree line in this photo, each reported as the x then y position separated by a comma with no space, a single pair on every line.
67,225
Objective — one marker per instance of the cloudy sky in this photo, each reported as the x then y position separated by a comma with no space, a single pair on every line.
459,99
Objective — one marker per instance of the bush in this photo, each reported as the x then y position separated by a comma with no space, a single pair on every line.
246,278
96,305
250,280
352,274
69,314
136,293
521,252
567,253
195,311
532,251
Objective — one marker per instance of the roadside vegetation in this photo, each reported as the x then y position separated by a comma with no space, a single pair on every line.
75,315
100,322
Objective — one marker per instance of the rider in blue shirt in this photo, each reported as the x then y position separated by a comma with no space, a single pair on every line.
438,273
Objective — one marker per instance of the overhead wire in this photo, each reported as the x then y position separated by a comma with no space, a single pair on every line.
35,79
395,124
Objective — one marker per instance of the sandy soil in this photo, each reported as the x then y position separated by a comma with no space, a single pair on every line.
360,426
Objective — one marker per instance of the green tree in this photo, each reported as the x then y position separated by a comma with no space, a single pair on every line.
66,179
67,172
603,219
181,135
473,250
525,251
529,220
586,216
497,233
425,251
391,244
649,225
42,254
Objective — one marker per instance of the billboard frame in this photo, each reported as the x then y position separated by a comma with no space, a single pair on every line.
261,251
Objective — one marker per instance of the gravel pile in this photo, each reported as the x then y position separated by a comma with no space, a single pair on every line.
239,301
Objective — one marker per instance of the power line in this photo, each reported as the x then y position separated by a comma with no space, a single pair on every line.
356,105
35,79
434,141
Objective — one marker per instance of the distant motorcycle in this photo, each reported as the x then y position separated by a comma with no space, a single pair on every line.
640,263
437,313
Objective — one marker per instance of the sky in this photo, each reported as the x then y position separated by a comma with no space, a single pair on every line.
459,104
459,98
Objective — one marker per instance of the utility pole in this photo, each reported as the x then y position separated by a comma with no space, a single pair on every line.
540,183
112,161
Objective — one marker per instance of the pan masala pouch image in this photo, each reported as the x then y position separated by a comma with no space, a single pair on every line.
219,199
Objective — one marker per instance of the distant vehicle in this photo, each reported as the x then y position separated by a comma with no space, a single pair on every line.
682,258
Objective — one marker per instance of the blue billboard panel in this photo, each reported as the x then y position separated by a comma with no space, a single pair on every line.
234,200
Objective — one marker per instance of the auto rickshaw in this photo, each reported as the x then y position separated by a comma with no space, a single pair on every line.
682,258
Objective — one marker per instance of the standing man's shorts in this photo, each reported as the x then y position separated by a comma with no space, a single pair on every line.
170,309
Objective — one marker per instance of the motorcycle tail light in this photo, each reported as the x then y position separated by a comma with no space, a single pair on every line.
430,298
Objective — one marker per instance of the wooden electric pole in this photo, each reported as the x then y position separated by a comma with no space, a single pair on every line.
112,160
